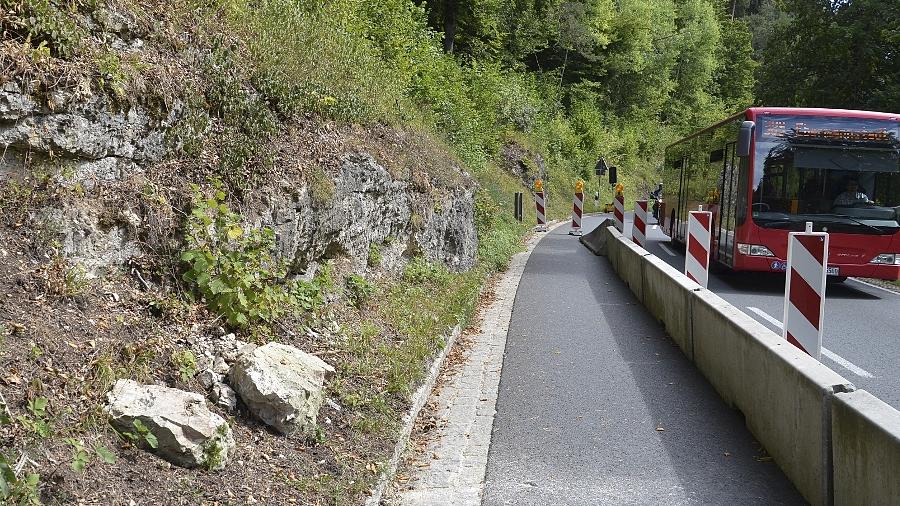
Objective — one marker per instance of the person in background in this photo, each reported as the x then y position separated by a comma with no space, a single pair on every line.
851,196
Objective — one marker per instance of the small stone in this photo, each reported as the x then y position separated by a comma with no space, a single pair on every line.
208,378
220,366
224,397
332,404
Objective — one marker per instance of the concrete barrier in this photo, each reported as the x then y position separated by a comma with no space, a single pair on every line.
596,239
630,267
866,446
613,246
667,295
784,394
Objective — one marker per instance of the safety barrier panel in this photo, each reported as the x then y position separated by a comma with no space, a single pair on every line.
837,445
865,439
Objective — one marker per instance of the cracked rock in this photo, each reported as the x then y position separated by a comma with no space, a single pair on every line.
281,385
224,397
189,434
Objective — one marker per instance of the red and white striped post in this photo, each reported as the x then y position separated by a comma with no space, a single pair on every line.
804,290
696,261
619,212
639,227
539,206
577,208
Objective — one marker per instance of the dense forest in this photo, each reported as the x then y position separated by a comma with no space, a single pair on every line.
621,78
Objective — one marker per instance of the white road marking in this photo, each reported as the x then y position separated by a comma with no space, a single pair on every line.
841,361
883,289
667,250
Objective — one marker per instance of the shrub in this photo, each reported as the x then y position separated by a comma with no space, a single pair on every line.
234,268
359,291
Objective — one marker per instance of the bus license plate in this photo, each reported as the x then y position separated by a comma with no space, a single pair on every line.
832,271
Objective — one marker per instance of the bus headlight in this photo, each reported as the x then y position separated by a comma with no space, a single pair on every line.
755,250
886,259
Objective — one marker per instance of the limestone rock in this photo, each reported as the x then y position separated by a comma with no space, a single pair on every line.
281,385
220,366
224,397
208,378
189,434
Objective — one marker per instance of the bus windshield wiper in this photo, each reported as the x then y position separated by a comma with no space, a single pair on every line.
854,220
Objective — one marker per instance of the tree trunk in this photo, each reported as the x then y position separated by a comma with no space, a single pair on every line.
449,25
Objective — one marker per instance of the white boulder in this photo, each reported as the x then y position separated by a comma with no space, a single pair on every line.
281,385
188,433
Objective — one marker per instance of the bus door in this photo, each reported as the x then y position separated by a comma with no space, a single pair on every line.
724,249
682,201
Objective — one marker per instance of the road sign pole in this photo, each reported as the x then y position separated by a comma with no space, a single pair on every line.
804,290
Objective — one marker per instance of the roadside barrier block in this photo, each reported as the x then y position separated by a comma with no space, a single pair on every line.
597,239
783,393
668,295
613,246
630,266
866,449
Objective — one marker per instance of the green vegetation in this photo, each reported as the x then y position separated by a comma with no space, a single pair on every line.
234,269
374,258
828,54
359,291
15,489
81,457
38,423
141,435
186,364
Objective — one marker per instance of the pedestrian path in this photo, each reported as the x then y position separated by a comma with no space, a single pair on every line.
449,468
598,406
594,404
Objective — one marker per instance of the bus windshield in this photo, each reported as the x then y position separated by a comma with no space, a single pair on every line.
843,174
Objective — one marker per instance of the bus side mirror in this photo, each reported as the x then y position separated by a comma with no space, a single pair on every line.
744,136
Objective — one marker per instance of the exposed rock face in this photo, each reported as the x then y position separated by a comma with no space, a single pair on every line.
82,125
189,434
281,385
370,207
93,141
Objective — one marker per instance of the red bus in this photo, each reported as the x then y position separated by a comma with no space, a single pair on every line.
769,170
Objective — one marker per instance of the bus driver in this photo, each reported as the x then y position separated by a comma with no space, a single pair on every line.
851,196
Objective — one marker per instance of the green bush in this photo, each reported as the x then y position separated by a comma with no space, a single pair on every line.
234,268
374,258
359,291
45,23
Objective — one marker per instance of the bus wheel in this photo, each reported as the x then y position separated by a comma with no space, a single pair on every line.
836,279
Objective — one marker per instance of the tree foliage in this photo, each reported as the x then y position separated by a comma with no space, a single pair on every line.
834,54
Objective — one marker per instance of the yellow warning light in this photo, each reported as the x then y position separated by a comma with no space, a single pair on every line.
579,186
620,189
538,185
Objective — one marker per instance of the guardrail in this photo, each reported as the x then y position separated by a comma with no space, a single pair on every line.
838,445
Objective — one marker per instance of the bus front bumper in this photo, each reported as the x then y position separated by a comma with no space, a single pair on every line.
773,264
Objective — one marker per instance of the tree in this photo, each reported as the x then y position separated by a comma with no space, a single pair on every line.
834,54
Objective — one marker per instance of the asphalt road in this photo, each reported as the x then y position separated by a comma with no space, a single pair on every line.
598,406
861,337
